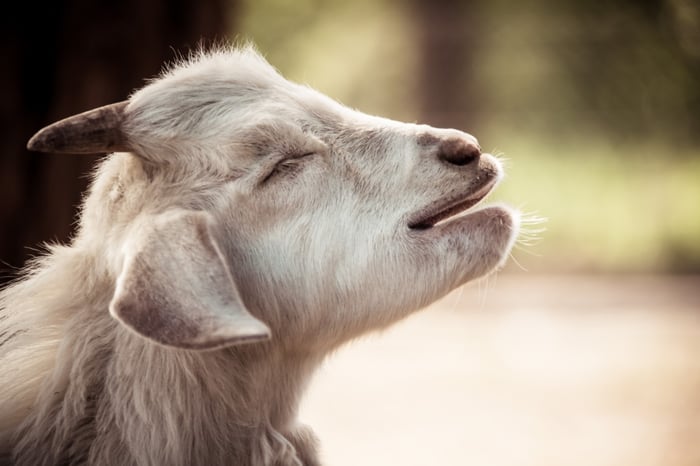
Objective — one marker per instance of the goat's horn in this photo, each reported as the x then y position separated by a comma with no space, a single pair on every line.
93,132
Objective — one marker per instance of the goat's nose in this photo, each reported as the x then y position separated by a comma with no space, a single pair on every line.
458,151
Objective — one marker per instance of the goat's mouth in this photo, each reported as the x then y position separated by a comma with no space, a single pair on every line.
443,211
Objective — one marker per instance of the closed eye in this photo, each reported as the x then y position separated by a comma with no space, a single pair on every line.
288,167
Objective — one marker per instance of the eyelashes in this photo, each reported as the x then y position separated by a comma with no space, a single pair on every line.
288,167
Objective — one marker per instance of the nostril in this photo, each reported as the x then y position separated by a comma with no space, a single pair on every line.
458,152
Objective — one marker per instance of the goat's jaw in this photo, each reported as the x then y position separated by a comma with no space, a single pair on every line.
466,243
483,237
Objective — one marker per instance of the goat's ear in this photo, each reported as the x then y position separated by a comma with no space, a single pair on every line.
176,289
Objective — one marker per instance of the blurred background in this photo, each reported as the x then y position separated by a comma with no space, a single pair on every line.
586,348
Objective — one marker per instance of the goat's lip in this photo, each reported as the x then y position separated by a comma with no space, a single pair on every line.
439,211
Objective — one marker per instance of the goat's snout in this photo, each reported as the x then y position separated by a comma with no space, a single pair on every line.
458,151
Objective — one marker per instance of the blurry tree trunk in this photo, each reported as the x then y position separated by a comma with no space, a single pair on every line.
446,33
61,57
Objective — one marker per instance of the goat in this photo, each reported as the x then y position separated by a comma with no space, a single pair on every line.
242,228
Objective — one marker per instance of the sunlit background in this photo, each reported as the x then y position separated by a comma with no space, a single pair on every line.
585,350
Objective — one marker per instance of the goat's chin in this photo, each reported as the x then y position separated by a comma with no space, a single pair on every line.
493,230
477,243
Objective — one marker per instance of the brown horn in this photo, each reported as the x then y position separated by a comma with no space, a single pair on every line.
93,132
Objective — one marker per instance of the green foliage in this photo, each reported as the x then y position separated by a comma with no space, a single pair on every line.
618,69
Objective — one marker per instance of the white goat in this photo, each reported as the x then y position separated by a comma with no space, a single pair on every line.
244,227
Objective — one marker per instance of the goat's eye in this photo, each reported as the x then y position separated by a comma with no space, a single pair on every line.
288,167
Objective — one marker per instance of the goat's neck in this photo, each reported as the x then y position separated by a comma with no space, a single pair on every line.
115,395
241,397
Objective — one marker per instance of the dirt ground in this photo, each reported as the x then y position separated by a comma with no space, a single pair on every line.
523,370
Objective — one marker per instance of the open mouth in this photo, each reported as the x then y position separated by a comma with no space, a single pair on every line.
443,211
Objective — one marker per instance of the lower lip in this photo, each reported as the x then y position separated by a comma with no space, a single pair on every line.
490,218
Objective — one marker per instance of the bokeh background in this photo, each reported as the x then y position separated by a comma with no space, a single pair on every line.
586,348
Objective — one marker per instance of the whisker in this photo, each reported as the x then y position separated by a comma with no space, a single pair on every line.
517,263
456,301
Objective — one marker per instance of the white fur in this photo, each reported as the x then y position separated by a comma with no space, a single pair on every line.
320,253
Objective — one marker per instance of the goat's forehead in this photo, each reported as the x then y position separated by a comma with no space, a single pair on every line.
230,87
236,77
